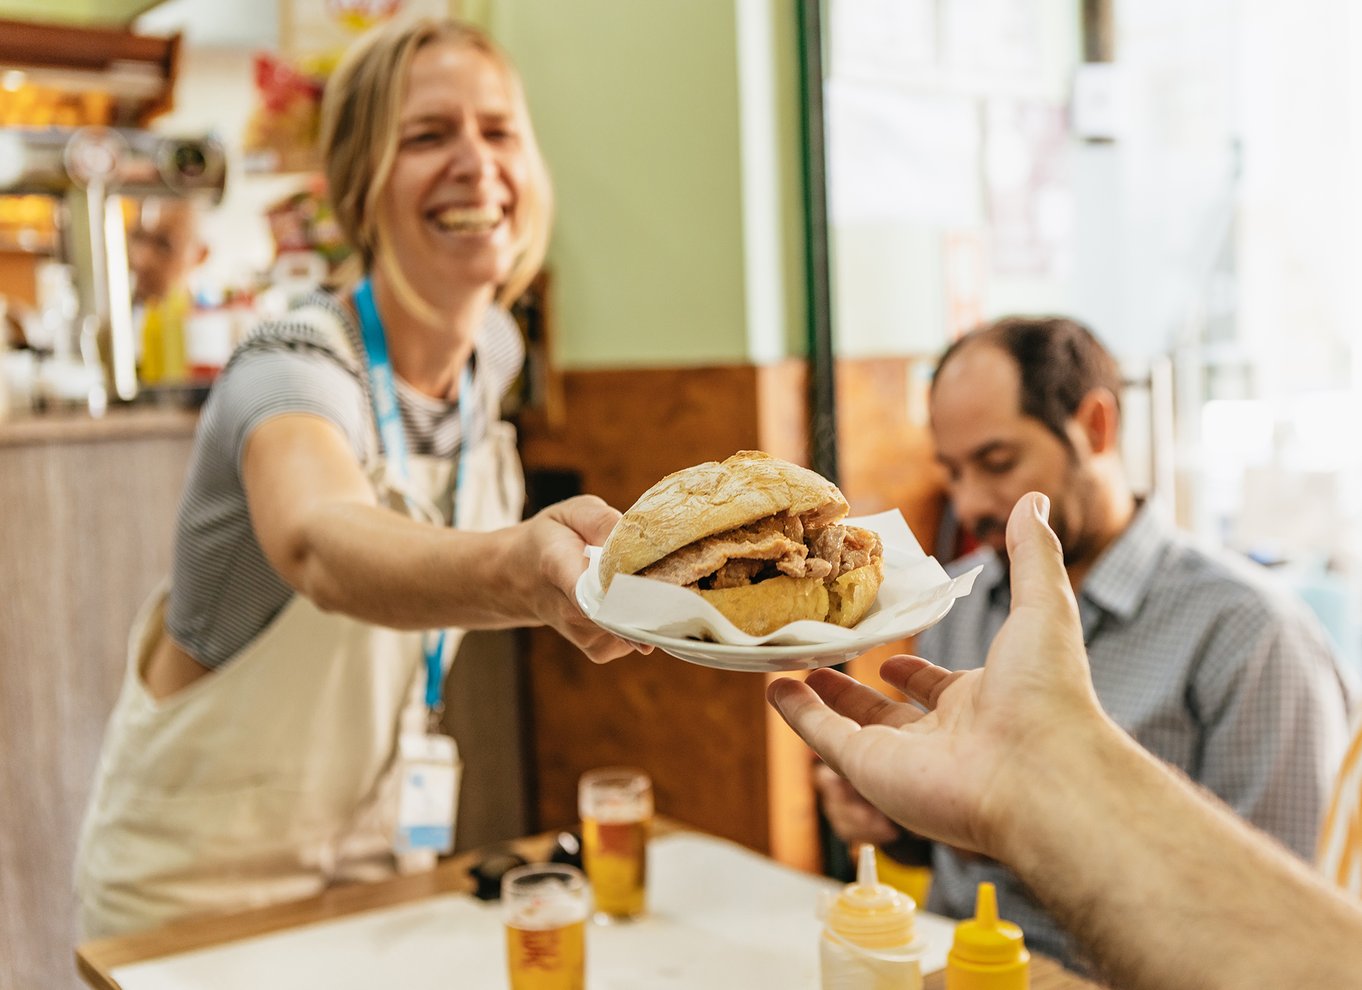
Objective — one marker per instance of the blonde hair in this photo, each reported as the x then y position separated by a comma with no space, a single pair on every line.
359,138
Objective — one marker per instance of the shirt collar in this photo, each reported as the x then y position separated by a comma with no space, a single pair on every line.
1120,579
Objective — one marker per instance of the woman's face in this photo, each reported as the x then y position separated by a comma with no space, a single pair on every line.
450,203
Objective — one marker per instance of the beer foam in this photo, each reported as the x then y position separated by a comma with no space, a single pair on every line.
622,812
555,910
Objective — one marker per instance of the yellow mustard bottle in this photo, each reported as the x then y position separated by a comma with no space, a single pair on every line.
869,936
988,953
151,369
163,343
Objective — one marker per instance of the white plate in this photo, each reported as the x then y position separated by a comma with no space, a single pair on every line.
728,656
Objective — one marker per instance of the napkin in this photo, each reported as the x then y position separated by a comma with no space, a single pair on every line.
915,594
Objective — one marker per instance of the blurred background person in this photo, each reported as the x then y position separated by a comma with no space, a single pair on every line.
1202,658
165,246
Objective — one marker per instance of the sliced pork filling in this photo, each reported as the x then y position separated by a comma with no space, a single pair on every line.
768,548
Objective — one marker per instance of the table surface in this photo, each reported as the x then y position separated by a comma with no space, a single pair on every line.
98,959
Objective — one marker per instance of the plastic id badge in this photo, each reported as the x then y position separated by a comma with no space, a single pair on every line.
429,798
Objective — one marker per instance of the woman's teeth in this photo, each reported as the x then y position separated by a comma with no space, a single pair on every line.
468,219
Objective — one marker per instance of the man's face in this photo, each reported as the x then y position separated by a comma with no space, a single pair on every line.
163,248
994,454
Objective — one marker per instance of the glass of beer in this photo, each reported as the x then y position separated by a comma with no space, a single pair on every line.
545,908
616,805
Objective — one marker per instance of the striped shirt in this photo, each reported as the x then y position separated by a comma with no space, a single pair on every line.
223,591
1205,662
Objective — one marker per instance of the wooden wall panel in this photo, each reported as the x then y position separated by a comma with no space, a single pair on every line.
700,733
887,461
625,429
884,449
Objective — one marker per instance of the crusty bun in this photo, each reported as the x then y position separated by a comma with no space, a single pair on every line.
757,537
713,497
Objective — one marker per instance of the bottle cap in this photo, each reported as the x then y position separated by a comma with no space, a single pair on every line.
986,939
871,914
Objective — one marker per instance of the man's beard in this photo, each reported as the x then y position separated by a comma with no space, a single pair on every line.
1075,542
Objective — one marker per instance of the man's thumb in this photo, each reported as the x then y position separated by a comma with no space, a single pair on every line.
1036,558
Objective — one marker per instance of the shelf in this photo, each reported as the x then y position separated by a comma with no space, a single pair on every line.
137,71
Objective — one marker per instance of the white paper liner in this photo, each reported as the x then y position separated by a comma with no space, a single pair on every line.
913,595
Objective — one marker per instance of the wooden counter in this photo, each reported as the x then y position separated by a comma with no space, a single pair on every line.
77,427
86,510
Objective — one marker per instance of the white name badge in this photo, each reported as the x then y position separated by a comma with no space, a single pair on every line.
429,797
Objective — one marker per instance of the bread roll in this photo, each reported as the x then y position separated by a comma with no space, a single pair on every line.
713,497
771,519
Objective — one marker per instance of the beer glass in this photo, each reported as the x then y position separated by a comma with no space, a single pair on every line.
616,805
545,909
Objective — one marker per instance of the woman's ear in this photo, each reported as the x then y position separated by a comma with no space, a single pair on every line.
1099,420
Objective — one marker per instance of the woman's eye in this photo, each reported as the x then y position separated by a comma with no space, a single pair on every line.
420,138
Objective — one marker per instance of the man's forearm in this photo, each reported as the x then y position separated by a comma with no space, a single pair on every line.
1105,834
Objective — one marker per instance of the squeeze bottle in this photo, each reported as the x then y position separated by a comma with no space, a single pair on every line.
988,953
868,936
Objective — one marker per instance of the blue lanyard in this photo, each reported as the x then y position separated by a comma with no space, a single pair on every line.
383,394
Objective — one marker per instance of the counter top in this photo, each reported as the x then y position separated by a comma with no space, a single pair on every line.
119,423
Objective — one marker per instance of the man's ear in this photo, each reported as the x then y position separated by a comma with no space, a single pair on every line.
1099,420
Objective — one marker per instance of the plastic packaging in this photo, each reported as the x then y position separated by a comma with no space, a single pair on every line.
868,940
988,953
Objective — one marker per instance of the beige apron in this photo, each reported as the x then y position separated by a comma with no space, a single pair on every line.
276,776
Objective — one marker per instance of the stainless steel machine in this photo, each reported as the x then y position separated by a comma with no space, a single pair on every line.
91,169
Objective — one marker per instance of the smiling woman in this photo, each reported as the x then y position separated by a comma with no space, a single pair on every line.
352,486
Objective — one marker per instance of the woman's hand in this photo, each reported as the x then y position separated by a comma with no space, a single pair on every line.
555,554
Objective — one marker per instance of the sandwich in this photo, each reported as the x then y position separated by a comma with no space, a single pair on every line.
757,537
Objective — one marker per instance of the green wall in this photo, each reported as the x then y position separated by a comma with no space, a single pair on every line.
668,126
99,13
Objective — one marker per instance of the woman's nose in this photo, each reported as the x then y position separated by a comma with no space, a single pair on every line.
472,159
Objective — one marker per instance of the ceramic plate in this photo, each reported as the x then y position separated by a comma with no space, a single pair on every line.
725,656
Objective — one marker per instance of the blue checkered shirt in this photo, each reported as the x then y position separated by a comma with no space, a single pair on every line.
1206,662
